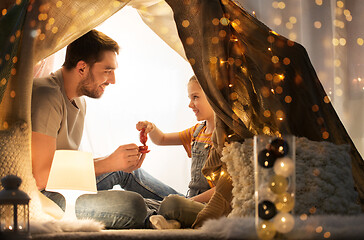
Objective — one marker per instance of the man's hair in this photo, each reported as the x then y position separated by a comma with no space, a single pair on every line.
89,48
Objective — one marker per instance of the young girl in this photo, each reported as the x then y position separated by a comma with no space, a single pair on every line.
197,143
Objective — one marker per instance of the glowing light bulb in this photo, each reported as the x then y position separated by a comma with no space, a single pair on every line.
278,184
283,166
283,222
266,230
284,202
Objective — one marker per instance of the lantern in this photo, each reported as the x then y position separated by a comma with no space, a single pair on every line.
14,210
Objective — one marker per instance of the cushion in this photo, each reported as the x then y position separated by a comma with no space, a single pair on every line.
15,159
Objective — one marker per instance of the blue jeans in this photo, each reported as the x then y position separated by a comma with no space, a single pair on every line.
119,209
138,181
115,209
182,209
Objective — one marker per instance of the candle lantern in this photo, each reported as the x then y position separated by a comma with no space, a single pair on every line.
14,210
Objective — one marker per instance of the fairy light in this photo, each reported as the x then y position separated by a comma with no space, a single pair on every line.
360,41
59,4
327,235
214,40
312,210
340,4
267,113
286,61
192,61
224,21
213,60
215,21
318,2
319,229
185,23
281,5
317,24
303,217
288,99
222,33
277,21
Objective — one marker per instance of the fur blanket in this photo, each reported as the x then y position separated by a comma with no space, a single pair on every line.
313,227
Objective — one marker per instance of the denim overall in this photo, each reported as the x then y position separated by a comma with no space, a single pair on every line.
200,152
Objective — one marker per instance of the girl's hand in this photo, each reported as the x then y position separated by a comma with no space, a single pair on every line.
148,126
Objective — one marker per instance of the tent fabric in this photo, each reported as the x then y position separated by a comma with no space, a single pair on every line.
257,82
248,85
31,31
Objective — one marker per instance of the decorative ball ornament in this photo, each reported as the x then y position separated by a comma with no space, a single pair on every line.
266,230
284,202
283,222
279,147
266,210
266,158
278,184
283,166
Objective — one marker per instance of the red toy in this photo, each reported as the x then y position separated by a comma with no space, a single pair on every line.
143,139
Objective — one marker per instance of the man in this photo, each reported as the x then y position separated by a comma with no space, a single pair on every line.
58,112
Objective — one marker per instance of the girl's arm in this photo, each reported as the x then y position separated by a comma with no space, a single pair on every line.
157,136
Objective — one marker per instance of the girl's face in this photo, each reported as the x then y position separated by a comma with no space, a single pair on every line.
199,103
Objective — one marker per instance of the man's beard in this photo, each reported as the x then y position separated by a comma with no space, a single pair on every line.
88,88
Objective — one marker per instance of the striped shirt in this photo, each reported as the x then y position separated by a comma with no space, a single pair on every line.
186,137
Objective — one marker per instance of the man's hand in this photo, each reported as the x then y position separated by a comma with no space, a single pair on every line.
125,158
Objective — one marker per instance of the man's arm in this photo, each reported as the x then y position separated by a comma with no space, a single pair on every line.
125,158
43,148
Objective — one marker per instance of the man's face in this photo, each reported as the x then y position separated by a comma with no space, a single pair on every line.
100,75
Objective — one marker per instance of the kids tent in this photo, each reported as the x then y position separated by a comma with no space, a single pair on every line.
246,70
